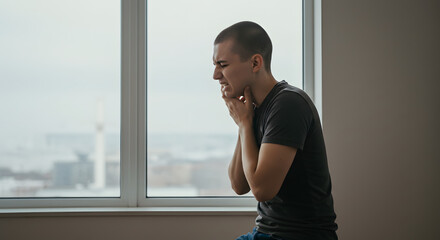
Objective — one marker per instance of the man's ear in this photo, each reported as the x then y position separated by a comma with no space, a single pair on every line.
257,62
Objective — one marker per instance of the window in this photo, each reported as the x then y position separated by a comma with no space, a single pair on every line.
60,99
191,137
145,70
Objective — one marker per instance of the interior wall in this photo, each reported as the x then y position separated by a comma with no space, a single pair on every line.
381,109
125,227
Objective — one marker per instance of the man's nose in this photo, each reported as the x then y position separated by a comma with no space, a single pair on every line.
217,73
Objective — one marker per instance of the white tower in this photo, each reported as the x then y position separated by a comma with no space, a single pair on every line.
99,147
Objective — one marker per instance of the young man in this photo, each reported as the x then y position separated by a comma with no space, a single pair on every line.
280,154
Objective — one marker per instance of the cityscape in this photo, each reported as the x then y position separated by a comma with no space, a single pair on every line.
88,165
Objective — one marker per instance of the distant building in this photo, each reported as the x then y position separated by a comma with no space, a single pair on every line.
73,174
80,173
112,176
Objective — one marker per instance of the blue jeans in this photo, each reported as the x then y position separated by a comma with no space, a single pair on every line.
255,235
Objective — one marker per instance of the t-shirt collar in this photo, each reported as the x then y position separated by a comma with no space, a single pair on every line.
271,94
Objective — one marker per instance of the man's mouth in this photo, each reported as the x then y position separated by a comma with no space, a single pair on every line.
223,86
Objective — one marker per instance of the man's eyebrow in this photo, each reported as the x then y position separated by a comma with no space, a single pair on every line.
220,61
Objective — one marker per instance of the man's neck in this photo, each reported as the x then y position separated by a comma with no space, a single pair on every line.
262,87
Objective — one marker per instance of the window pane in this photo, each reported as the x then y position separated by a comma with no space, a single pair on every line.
191,137
59,98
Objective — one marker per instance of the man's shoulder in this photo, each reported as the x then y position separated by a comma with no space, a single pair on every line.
290,96
287,98
292,101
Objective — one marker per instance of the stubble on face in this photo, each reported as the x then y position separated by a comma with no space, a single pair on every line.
234,72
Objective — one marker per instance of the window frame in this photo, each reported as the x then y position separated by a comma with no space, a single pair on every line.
133,117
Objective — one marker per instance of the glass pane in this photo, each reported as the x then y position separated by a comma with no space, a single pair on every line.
60,98
191,137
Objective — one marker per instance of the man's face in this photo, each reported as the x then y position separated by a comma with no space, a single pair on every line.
232,73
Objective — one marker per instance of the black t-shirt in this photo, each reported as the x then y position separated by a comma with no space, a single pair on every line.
303,208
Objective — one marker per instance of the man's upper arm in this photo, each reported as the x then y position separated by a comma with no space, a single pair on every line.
285,132
289,121
274,162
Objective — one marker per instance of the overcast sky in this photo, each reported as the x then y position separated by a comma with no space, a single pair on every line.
58,58
183,96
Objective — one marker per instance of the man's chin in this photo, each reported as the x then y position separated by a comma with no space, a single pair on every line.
228,94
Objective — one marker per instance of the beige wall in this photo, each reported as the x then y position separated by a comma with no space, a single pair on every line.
381,110
124,227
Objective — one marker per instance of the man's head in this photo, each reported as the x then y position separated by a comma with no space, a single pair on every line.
241,52
249,38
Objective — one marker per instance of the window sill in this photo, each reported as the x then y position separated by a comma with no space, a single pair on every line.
127,211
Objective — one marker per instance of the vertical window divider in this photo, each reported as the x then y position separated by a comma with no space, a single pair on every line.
133,77
142,101
317,38
308,47
312,63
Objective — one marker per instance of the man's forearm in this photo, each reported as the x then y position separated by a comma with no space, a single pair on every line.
236,174
249,153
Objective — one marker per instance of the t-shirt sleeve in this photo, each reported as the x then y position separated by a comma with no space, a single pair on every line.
289,120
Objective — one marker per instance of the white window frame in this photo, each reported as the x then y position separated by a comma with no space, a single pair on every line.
133,117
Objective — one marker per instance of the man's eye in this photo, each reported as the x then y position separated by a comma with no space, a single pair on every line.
223,66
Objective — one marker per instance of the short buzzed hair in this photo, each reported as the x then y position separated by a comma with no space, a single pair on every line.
250,38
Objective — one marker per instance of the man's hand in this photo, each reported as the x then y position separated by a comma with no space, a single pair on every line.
241,109
262,170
